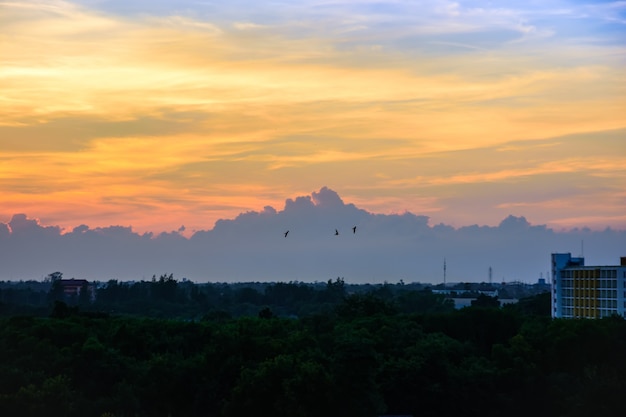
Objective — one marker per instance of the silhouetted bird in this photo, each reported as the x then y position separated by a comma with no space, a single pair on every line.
354,229
336,232
286,233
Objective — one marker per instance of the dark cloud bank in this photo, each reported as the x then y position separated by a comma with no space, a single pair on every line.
252,247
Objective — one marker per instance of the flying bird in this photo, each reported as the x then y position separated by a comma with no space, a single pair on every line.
354,229
336,232
286,233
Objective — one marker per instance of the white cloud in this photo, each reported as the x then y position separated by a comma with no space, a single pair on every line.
182,22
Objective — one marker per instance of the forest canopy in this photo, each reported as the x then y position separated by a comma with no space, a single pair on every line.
382,350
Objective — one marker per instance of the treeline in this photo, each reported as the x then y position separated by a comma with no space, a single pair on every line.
165,297
363,357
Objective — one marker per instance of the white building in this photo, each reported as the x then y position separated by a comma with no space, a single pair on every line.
580,291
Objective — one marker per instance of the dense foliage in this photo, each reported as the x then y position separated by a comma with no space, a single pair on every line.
292,349
367,354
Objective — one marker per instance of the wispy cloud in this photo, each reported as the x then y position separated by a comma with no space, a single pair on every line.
168,105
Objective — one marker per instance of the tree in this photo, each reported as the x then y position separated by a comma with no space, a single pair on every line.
84,297
486,301
54,276
61,310
266,313
364,305
536,305
334,292
56,291
165,288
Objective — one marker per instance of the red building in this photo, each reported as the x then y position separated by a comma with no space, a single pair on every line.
74,287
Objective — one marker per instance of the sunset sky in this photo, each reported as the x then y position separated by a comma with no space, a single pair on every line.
157,114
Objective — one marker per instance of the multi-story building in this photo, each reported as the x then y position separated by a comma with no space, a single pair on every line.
580,291
73,287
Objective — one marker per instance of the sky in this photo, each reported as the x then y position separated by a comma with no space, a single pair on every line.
321,245
159,114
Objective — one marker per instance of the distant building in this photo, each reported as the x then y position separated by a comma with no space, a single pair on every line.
580,291
490,293
73,287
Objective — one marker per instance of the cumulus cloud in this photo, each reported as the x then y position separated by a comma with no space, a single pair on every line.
20,225
327,198
253,247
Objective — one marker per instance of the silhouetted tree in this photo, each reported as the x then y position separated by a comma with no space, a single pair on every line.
56,291
266,313
486,301
84,297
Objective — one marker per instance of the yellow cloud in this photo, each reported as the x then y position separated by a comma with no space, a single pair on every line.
250,87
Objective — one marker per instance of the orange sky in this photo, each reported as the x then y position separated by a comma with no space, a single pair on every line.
169,114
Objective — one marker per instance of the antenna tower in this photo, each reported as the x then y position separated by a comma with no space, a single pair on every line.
490,275
444,271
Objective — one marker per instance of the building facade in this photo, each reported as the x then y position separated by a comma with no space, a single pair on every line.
72,288
580,291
